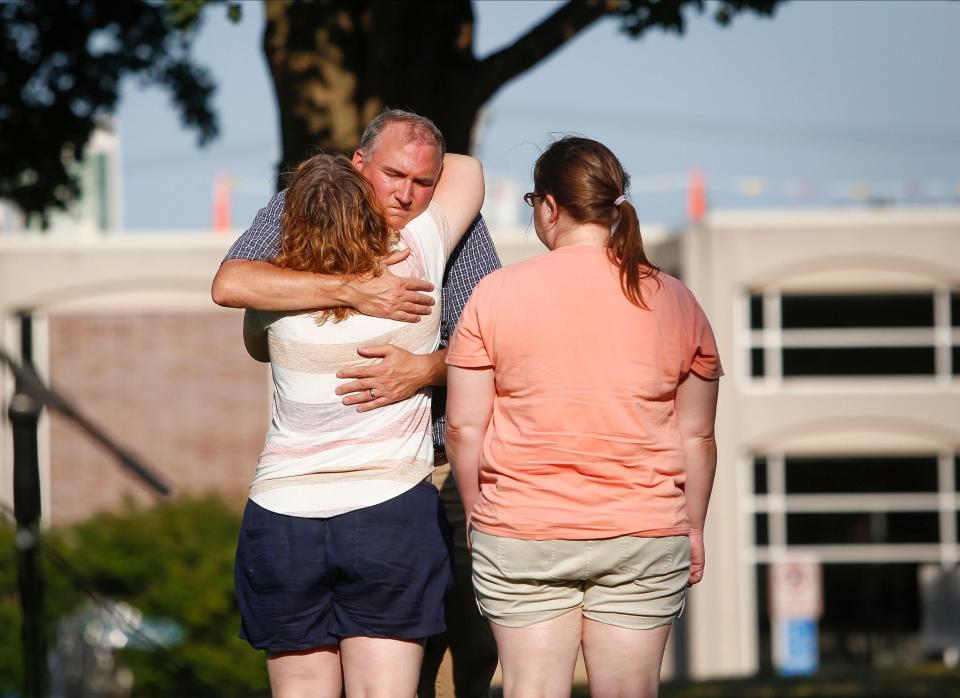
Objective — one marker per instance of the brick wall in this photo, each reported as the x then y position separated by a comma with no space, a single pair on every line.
177,390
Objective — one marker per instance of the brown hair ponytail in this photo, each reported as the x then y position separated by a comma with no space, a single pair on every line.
626,250
587,180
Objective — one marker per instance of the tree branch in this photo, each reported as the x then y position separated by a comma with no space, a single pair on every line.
538,43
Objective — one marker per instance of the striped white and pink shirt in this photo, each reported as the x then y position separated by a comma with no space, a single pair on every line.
321,457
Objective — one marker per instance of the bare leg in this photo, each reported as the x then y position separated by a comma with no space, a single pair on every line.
623,663
309,674
538,661
380,668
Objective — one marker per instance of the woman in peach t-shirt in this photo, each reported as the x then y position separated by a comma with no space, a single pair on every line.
581,402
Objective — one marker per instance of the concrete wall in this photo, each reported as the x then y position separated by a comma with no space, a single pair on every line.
124,327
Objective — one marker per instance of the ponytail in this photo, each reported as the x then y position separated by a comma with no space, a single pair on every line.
626,251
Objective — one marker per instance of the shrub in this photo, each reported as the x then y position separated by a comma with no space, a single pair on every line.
173,561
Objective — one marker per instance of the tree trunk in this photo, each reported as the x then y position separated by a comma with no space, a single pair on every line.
336,65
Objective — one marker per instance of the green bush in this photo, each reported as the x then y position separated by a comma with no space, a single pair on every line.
172,561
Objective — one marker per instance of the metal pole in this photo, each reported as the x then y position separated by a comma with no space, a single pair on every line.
24,415
31,395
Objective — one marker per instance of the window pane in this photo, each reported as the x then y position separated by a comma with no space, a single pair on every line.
761,530
859,361
757,365
756,312
852,631
760,475
861,474
956,361
871,310
853,593
955,310
865,527
764,644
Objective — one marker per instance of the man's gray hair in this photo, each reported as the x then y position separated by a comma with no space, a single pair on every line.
419,130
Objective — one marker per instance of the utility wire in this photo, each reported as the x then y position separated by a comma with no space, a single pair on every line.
801,133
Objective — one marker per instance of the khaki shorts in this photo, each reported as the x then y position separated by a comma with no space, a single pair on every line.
631,582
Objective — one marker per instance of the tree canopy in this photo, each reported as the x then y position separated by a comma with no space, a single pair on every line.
61,67
334,65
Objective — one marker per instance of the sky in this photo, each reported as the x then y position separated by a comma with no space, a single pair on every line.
826,104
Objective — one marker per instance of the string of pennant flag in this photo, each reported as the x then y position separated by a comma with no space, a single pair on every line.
907,189
886,191
698,189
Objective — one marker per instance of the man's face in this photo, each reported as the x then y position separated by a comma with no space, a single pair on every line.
403,174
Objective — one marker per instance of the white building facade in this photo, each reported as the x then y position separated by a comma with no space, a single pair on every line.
839,423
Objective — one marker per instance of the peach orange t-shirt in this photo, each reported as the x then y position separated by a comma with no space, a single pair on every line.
583,440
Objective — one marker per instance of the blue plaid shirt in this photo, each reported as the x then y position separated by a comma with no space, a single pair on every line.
472,259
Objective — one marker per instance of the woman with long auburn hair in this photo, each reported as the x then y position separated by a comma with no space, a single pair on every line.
343,554
333,224
582,391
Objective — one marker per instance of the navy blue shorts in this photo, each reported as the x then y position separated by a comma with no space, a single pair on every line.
380,571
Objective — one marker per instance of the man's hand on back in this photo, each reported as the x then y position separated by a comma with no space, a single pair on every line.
389,296
399,375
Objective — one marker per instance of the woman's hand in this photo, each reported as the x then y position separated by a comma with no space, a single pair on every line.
697,557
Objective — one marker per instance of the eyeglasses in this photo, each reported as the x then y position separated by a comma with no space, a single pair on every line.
530,197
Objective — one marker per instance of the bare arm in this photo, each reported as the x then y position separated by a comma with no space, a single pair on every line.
459,194
696,406
470,393
247,280
255,338
243,283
